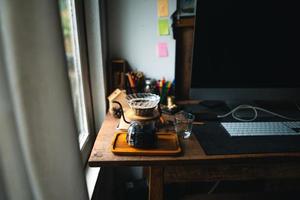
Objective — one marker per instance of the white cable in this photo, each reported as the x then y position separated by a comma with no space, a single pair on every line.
213,187
297,106
233,112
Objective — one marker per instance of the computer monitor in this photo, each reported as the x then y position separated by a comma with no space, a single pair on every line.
246,50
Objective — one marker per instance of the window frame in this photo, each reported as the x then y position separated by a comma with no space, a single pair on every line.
86,81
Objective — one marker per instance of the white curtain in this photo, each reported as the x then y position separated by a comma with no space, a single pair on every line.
39,153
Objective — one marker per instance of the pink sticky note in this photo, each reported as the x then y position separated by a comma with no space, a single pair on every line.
162,49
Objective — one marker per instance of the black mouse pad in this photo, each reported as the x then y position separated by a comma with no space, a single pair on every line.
215,140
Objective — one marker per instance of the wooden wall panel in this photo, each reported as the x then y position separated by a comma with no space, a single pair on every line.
184,35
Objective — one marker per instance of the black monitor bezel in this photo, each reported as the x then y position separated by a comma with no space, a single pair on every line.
242,93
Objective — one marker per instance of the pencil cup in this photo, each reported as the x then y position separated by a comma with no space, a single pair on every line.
131,90
183,124
163,96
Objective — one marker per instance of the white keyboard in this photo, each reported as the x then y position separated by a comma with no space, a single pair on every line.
262,128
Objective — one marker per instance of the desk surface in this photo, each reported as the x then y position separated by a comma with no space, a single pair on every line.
193,153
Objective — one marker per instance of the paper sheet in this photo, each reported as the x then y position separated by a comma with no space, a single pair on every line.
163,27
122,125
163,8
162,49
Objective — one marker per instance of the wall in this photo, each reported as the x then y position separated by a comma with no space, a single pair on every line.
133,35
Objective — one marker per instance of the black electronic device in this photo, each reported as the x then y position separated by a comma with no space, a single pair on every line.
246,50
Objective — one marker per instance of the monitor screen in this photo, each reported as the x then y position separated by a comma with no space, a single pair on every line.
246,44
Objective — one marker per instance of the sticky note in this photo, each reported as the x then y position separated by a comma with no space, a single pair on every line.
162,49
163,26
162,8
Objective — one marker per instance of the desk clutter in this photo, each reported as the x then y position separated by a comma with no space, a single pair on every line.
137,83
122,77
139,103
141,120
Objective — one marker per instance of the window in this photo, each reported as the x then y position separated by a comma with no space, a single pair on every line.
76,55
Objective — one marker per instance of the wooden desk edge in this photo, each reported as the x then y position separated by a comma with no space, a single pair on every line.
105,157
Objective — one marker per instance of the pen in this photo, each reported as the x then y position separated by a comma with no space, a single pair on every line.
130,80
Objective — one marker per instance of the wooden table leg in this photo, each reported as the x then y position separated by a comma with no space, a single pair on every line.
156,183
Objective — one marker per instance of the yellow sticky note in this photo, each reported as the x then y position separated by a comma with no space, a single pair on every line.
163,8
163,26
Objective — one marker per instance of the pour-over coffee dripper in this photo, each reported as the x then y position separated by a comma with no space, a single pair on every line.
143,113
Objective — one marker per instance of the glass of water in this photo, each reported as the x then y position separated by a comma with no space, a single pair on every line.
183,124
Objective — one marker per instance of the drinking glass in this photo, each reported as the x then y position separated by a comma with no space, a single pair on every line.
183,124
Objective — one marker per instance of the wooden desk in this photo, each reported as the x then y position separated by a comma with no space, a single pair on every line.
194,164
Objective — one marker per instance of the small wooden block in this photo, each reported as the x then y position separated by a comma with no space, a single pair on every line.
120,96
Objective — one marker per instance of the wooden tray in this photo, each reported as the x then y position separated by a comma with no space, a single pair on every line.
167,144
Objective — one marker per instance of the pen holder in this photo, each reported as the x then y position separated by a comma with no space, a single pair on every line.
132,90
163,93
